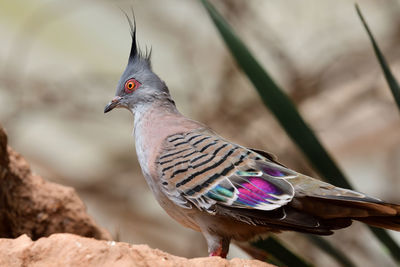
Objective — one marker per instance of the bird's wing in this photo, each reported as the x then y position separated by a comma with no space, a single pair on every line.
203,169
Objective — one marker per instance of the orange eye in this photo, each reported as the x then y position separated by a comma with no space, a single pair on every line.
131,85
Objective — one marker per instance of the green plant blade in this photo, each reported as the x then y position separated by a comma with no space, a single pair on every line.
279,103
288,116
391,80
281,253
391,245
331,250
388,241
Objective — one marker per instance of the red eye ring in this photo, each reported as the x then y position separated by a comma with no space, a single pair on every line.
131,85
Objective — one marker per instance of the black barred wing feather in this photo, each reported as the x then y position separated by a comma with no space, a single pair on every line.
204,169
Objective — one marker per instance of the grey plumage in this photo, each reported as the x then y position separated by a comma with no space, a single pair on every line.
222,189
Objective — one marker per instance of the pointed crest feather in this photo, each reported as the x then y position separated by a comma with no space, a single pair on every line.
135,53
132,25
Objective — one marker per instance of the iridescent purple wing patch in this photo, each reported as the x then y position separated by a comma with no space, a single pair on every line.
273,172
257,190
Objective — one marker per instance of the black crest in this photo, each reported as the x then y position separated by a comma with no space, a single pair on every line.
135,53
132,25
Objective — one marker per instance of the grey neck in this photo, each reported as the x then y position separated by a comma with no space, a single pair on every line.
150,129
151,112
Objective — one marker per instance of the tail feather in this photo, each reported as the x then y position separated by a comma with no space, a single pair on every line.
340,208
329,202
392,223
375,213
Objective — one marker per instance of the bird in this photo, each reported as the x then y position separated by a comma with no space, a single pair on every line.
221,189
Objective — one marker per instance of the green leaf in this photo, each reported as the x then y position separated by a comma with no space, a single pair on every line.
279,103
283,255
288,116
331,250
388,241
382,235
392,82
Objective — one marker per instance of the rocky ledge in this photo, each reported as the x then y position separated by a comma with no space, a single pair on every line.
46,224
73,250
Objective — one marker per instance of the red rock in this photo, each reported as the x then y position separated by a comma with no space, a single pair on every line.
73,250
30,205
34,209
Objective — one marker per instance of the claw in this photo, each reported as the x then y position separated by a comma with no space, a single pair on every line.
219,252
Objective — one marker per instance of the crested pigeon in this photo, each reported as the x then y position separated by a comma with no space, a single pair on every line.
224,190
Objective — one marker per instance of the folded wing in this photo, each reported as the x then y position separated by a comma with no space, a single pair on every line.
202,170
205,170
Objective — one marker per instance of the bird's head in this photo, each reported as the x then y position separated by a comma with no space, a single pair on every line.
138,84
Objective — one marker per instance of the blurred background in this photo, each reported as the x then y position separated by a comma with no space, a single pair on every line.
60,62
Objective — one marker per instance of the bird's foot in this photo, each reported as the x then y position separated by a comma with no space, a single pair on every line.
219,252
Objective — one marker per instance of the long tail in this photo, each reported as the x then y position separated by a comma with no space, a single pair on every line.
393,223
319,208
326,201
383,215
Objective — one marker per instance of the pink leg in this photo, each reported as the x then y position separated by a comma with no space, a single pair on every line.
222,249
217,245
